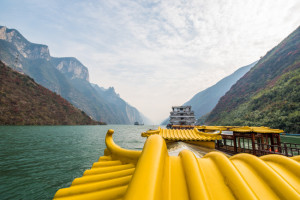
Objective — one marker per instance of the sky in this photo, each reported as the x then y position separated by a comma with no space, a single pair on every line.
156,54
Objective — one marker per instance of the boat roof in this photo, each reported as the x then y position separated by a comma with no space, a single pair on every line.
153,174
241,129
247,129
184,134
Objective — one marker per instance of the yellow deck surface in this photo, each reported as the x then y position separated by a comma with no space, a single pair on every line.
183,134
153,175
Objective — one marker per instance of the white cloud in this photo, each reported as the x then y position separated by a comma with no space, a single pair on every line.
156,53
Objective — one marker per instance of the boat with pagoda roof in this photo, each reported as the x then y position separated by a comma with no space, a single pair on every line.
182,117
191,164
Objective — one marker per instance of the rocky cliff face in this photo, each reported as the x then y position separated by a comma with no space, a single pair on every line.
67,77
71,67
24,47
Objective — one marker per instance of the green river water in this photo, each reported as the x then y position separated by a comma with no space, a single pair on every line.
35,161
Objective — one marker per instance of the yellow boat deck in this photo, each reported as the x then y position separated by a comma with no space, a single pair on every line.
153,174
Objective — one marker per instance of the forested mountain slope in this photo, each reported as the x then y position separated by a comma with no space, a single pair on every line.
269,94
66,76
24,102
204,101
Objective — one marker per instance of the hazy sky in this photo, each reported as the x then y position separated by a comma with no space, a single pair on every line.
156,54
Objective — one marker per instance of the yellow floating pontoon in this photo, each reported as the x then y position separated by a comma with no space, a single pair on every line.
151,174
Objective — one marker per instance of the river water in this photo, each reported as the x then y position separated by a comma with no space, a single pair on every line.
36,161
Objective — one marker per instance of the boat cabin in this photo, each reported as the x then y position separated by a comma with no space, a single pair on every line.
182,116
255,140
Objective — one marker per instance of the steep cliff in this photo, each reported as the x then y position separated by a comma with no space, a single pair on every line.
71,68
269,94
24,102
65,76
24,47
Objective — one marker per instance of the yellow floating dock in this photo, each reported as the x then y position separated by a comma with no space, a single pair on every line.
151,174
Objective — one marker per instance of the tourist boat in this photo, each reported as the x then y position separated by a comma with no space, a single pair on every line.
182,117
188,164
137,123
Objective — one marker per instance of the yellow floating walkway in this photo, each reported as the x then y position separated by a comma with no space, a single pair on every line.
152,174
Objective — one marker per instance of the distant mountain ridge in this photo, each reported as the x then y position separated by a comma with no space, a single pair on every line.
65,76
204,101
24,102
269,94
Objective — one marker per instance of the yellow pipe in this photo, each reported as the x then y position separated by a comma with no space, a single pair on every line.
147,182
118,153
112,193
93,187
296,158
288,167
276,185
106,164
103,170
102,177
232,177
193,174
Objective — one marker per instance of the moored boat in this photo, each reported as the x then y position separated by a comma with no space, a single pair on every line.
182,117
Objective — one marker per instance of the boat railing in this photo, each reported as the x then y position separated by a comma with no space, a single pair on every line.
286,149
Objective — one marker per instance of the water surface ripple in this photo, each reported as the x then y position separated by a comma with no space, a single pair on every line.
35,161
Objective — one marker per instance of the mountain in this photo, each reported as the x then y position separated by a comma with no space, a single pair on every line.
67,77
269,94
24,102
204,101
